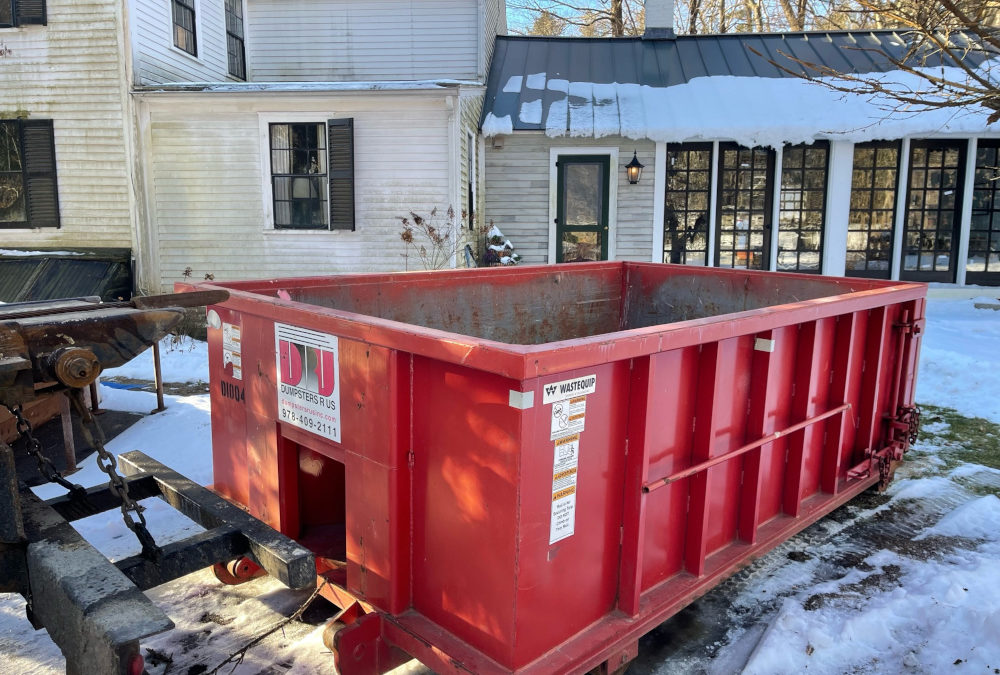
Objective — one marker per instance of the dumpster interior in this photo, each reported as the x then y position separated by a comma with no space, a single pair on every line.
552,303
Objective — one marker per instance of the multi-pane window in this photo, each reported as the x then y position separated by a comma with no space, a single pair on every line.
298,175
801,207
685,213
744,215
13,200
873,206
983,264
234,39
933,209
28,191
184,33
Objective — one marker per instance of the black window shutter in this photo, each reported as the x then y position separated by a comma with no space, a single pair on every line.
341,148
30,11
40,169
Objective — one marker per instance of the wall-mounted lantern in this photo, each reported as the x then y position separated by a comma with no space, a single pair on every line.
633,170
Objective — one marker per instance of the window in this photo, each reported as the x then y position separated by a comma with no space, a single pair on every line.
234,39
22,12
801,207
933,210
743,234
685,212
28,192
312,175
873,207
184,34
983,264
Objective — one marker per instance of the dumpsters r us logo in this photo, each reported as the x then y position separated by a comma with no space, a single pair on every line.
308,364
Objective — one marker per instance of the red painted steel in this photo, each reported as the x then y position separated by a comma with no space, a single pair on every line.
474,519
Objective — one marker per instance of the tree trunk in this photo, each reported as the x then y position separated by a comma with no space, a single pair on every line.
617,21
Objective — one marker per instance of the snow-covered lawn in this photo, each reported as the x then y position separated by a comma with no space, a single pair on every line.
923,596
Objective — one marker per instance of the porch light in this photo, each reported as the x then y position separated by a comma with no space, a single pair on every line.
633,170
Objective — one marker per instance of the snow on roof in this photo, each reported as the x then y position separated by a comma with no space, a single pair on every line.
630,88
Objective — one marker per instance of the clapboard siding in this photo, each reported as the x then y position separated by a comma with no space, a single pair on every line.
517,194
157,61
362,40
494,23
72,72
207,188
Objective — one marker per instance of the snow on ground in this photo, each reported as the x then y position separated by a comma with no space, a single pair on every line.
181,360
899,583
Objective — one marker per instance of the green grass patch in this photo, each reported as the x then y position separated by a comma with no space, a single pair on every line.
964,439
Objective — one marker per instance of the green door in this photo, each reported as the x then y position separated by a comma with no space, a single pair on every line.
582,207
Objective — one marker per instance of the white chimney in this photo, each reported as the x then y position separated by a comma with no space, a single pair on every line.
659,20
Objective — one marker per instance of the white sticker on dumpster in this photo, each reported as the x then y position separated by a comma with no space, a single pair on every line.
308,380
568,417
564,470
560,391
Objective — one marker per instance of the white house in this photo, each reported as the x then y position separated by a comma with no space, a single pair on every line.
745,165
239,138
65,144
287,138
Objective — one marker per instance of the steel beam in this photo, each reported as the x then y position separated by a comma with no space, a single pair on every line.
282,557
92,611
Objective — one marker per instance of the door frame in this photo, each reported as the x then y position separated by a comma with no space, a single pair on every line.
613,177
951,275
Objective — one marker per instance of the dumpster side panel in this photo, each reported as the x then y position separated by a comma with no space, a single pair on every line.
229,414
668,433
264,464
466,473
572,582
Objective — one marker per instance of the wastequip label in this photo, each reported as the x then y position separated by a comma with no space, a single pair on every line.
558,391
308,380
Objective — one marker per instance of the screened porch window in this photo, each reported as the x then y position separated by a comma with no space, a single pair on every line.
801,207
873,208
983,264
299,176
685,213
743,235
184,31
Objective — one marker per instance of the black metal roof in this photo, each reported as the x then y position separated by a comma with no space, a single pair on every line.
65,273
669,62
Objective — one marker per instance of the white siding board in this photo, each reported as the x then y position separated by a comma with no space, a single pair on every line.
208,207
345,40
157,61
72,71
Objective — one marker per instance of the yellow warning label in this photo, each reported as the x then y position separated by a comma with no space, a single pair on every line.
573,418
563,474
569,439
562,494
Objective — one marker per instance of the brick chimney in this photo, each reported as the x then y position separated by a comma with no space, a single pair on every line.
659,20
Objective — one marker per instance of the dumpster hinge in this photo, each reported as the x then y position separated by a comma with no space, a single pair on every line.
903,431
409,459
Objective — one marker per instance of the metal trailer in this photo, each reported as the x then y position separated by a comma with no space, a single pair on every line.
93,609
524,470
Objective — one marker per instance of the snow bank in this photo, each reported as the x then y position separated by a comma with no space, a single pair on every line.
960,358
977,519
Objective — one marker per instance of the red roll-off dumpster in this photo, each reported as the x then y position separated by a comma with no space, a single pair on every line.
526,469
